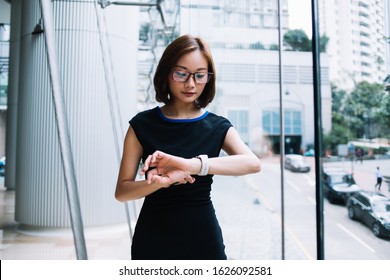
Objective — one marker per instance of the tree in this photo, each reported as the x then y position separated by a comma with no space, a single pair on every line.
338,98
144,32
366,109
274,47
324,40
386,115
365,112
297,40
257,46
340,133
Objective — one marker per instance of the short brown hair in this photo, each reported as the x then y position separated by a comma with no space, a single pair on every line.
175,50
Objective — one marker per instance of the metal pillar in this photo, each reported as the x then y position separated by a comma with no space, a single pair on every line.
317,130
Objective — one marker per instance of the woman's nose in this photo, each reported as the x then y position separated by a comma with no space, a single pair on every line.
191,80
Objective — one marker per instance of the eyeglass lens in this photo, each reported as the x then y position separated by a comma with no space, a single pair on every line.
183,76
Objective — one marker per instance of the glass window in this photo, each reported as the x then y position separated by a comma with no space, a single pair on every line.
292,122
240,120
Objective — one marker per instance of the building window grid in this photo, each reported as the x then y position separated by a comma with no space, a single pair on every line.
252,73
292,122
240,120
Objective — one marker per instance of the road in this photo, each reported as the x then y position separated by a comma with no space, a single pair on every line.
249,230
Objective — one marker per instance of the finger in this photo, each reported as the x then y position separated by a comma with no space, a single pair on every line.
155,156
191,180
146,165
150,173
158,156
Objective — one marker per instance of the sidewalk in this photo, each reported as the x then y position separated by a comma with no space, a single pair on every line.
251,230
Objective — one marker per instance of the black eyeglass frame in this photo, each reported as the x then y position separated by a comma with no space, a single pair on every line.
191,74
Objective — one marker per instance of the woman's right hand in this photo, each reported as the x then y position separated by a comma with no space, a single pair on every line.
169,177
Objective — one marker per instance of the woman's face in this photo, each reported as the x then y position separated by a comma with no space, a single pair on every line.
188,91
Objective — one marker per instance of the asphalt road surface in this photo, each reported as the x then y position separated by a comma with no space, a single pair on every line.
250,214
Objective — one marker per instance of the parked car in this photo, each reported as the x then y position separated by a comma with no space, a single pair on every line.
309,153
371,209
338,185
296,163
2,166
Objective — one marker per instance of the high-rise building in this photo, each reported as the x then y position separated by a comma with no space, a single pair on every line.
357,44
387,26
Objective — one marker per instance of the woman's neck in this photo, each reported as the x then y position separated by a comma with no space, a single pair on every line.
176,111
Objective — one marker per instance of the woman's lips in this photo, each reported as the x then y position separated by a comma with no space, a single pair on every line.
189,93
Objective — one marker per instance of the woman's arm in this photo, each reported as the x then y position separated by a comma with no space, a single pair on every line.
240,161
127,188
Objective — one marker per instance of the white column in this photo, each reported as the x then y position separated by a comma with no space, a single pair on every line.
40,187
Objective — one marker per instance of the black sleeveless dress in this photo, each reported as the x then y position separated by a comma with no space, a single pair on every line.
179,222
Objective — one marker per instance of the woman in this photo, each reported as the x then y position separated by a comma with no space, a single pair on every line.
179,145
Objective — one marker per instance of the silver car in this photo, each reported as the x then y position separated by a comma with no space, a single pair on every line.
296,163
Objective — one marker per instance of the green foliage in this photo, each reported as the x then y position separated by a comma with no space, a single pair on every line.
340,133
257,46
365,112
365,106
324,40
297,40
144,32
338,98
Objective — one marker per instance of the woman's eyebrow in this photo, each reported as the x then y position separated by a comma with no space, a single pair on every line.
185,68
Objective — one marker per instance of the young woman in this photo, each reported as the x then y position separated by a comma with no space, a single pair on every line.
179,145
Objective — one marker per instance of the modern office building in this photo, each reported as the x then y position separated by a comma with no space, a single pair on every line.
387,26
357,46
244,39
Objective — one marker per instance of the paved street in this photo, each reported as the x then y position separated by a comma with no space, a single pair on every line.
252,228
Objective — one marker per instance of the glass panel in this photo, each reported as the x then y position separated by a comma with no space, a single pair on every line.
357,142
267,122
355,88
240,120
275,123
4,62
297,123
287,122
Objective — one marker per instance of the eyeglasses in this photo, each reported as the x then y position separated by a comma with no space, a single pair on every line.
181,76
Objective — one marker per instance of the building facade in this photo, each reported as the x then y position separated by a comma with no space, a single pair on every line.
357,47
243,36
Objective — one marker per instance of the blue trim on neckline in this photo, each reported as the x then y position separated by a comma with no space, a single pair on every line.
180,120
